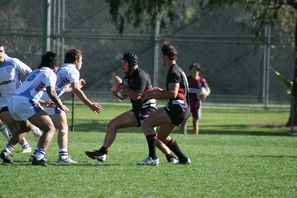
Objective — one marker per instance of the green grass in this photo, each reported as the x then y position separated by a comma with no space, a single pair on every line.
260,162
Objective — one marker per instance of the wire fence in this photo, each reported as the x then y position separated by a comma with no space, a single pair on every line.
237,67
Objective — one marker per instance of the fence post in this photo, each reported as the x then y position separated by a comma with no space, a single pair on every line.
156,51
47,25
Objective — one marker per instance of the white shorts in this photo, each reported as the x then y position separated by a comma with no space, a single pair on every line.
3,101
52,110
22,108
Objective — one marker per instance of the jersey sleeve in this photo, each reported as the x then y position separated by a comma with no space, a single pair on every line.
22,67
174,77
50,79
74,76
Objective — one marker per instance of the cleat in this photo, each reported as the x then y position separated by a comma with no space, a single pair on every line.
31,158
7,158
27,150
96,155
173,160
68,160
41,162
185,161
149,161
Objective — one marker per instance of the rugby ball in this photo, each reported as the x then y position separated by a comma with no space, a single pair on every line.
201,92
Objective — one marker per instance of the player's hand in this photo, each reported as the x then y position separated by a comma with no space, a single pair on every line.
82,82
117,80
65,109
157,90
96,108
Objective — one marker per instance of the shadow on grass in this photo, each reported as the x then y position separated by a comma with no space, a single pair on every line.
223,129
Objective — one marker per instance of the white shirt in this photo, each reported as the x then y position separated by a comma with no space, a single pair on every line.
34,86
67,74
10,72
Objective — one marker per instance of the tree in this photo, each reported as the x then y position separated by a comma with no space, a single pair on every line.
282,14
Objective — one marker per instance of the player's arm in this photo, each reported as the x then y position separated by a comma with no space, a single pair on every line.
129,92
125,89
82,97
69,89
54,97
171,93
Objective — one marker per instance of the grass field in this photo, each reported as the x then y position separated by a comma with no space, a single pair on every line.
260,161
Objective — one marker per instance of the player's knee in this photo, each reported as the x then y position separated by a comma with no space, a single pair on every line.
111,126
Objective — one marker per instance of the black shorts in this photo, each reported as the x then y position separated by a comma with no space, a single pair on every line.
3,109
141,114
177,113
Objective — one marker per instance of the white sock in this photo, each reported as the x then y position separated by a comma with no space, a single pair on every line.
25,145
63,153
36,132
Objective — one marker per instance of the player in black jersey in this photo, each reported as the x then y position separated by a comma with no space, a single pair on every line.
173,114
134,85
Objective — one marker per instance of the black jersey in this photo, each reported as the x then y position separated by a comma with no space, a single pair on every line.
140,82
177,75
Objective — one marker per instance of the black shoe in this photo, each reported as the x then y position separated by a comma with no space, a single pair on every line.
7,158
96,155
185,161
41,162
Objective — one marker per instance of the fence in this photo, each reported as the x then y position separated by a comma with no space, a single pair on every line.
236,66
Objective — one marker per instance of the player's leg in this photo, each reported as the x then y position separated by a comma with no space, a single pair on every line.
166,138
4,130
125,120
196,114
43,122
167,152
11,125
183,127
195,126
36,132
157,118
60,122
18,136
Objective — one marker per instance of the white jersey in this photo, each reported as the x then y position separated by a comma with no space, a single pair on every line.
67,74
34,86
10,72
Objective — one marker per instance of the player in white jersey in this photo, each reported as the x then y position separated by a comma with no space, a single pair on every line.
12,70
68,79
24,106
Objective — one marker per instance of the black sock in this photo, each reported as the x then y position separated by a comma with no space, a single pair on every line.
172,144
103,150
151,141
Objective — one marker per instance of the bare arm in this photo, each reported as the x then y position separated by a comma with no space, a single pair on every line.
53,95
82,97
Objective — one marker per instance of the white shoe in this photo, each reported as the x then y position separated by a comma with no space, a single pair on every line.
173,160
67,160
27,150
149,161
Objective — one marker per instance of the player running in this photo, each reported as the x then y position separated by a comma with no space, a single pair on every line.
24,105
68,79
12,71
170,116
135,83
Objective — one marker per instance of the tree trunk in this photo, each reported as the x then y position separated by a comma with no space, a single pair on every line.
293,113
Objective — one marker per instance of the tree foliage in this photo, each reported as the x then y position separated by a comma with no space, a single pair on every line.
143,13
